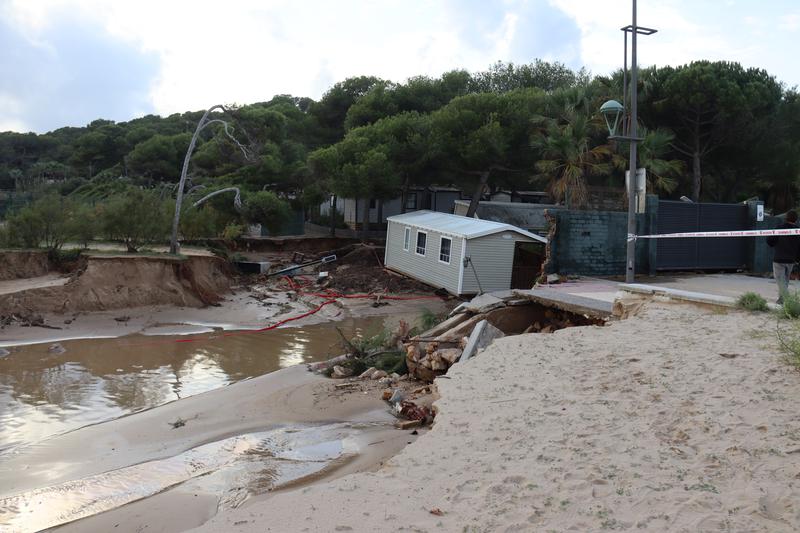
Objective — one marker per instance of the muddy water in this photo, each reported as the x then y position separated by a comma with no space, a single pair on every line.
44,392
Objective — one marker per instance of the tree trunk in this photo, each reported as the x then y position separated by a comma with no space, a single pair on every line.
476,195
332,215
697,181
404,195
365,220
697,178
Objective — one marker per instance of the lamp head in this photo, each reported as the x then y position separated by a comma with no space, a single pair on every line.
612,111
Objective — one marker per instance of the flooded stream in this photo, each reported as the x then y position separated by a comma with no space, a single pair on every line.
44,392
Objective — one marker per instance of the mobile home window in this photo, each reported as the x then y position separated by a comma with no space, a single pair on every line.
411,200
422,239
407,239
444,250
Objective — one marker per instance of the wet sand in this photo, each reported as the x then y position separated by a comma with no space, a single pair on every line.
75,461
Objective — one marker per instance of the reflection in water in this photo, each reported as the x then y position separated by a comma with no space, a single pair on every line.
42,394
232,469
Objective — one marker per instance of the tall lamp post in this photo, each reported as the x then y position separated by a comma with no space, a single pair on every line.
613,111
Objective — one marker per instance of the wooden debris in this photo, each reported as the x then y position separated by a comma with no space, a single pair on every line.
407,424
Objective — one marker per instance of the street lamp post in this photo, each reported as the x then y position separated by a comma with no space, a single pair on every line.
613,111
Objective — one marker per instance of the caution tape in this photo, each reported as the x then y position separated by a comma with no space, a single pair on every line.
707,234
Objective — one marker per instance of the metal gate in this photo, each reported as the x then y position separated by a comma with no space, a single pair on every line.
727,253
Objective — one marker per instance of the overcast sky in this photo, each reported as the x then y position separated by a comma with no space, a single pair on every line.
67,62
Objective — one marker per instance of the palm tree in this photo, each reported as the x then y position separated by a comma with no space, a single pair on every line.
662,173
570,156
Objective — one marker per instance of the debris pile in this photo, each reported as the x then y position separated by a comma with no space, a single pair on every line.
361,270
474,325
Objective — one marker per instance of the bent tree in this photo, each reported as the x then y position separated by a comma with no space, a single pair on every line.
205,121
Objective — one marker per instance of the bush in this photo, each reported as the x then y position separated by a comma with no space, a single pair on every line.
45,222
201,222
265,208
82,224
232,232
137,217
790,345
791,305
752,302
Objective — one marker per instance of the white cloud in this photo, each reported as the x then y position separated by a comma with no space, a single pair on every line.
687,31
249,50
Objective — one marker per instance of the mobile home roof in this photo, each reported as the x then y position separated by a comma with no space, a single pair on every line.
458,226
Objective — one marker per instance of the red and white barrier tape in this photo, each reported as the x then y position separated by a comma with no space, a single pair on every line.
705,234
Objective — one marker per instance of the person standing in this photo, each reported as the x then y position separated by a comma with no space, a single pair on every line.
787,251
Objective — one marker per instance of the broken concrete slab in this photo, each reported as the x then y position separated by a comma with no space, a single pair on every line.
484,303
568,302
504,295
678,294
448,324
483,335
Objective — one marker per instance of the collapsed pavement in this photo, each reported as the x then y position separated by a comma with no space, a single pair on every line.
469,328
472,326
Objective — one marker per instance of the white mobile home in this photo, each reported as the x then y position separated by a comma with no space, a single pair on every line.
462,255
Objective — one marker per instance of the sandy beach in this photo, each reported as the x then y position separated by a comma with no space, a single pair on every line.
678,419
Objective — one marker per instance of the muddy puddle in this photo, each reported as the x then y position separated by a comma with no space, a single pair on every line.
46,391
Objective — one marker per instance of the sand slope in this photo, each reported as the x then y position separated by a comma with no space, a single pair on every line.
639,425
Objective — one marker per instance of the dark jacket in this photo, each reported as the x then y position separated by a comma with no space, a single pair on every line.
787,247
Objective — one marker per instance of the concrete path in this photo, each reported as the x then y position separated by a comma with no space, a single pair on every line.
727,285
24,284
597,295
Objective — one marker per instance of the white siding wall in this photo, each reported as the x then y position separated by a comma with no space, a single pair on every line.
427,269
493,257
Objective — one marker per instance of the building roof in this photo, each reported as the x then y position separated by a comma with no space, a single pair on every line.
520,214
458,226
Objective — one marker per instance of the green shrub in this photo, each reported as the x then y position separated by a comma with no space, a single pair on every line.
428,319
791,305
64,259
136,217
752,302
265,208
82,224
200,222
789,340
232,232
45,222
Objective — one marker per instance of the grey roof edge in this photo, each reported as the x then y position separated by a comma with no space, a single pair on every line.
499,226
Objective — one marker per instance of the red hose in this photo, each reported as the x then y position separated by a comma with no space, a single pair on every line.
330,295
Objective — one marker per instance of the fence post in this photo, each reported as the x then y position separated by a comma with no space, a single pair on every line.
759,255
651,212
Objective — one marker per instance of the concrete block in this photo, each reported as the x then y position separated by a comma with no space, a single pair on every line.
481,337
